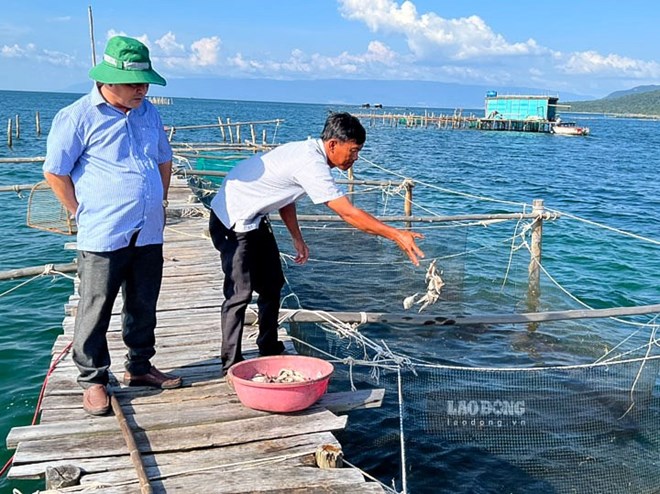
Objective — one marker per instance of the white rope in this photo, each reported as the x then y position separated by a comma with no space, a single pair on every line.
573,297
513,249
601,225
185,234
652,341
639,373
371,477
449,191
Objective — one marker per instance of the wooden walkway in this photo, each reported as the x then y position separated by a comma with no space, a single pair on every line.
198,438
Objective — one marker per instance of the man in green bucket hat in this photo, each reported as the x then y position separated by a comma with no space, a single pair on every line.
109,163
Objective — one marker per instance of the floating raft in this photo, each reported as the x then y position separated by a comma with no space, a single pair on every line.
198,437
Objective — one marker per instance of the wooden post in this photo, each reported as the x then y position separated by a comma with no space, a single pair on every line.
407,205
38,120
231,133
350,184
222,129
329,456
263,137
9,134
238,134
18,127
253,134
62,476
534,284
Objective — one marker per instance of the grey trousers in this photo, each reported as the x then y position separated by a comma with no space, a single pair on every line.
251,262
138,271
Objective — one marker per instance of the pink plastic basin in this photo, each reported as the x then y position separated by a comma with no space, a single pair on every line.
280,397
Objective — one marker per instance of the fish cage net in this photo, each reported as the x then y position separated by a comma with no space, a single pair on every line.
560,407
45,212
591,428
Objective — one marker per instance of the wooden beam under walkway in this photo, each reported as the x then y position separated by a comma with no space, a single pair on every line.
195,438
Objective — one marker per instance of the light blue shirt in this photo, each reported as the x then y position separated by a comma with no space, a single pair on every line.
112,158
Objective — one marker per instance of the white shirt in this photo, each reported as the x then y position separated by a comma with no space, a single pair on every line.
267,182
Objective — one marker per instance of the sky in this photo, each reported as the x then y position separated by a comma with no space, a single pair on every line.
590,47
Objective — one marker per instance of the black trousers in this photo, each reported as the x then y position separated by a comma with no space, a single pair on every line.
138,272
250,262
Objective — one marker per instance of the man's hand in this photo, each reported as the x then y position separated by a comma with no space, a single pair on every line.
302,251
406,241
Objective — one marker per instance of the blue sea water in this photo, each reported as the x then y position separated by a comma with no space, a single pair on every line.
608,178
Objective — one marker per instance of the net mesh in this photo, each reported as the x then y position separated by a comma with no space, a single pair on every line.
45,212
567,429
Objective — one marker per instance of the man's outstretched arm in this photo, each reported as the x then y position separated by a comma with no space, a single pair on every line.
362,220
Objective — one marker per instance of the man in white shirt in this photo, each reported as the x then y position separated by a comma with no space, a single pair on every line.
240,230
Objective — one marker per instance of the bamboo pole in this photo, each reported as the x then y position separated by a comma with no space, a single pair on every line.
423,219
133,451
16,188
38,159
38,122
301,315
222,125
253,134
18,127
91,34
37,270
9,134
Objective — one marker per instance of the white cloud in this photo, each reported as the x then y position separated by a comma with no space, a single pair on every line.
31,52
428,34
167,43
377,58
591,62
143,38
205,52
468,50
14,51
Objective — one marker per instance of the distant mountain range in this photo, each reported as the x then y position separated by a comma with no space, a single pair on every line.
638,101
422,94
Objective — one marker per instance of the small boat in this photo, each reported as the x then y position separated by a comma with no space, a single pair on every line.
569,129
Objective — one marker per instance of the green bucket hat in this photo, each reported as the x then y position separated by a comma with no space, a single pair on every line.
125,61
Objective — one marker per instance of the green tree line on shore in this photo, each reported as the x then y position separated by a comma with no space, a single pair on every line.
631,103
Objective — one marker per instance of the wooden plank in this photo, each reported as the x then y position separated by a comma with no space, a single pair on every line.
179,438
280,478
209,406
169,463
